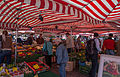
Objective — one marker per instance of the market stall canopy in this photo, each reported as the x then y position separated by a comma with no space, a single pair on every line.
28,13
76,28
107,11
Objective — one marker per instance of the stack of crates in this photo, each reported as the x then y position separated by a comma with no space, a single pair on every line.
84,68
69,66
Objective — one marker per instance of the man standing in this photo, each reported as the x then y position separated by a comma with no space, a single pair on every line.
109,45
93,47
6,47
62,57
69,43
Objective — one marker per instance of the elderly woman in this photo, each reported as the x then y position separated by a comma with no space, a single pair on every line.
47,49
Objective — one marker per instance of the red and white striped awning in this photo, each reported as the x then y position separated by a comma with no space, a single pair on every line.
25,13
76,28
103,10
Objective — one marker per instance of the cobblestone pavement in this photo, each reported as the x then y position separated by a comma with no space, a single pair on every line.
74,73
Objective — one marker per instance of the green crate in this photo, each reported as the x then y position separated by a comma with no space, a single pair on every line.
84,69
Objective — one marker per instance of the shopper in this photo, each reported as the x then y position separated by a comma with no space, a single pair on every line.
62,57
69,43
6,47
109,45
93,48
30,40
47,50
40,39
0,49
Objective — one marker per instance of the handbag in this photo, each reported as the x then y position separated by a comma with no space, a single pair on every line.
46,51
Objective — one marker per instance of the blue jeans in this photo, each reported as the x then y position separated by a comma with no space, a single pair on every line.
110,52
94,59
7,54
62,70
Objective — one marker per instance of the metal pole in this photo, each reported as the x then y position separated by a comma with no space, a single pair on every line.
16,46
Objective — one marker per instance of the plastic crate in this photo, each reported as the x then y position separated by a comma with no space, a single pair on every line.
42,66
84,69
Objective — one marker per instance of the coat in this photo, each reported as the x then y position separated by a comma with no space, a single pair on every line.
62,54
48,47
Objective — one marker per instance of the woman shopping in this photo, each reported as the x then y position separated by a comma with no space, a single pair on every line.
47,50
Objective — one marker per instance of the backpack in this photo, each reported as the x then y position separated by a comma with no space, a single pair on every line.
91,47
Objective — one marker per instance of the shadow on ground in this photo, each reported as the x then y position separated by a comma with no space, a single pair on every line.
74,73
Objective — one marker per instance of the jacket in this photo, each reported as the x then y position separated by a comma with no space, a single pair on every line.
48,47
109,44
62,54
40,40
7,44
29,41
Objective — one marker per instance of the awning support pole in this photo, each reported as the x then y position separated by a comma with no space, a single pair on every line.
16,46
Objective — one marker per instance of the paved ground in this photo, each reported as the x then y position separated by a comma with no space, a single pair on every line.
74,73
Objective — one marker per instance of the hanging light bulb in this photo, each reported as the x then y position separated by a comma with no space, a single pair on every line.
40,17
56,27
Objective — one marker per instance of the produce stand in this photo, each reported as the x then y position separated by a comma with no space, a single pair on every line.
79,60
26,69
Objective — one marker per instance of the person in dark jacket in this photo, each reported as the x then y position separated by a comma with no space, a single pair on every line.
62,57
6,48
30,40
40,40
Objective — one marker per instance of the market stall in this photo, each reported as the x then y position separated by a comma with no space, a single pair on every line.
56,16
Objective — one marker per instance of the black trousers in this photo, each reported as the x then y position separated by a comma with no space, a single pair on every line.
94,59
48,60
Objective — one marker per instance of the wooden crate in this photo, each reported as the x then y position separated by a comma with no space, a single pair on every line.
69,66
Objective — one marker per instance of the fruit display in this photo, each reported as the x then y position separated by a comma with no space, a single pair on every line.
29,53
78,55
36,67
21,54
81,56
10,71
